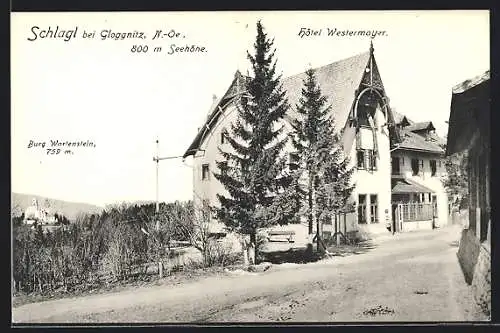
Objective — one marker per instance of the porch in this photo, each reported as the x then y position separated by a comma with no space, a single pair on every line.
414,206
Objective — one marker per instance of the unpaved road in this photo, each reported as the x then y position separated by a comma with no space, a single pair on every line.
409,277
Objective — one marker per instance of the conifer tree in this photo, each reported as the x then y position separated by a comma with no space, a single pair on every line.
253,172
324,168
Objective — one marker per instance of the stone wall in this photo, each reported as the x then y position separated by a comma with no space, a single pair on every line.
468,252
481,283
475,261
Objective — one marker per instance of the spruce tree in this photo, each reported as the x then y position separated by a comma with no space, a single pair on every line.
324,168
253,171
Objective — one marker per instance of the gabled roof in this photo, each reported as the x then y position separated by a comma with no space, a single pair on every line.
425,125
401,119
338,82
414,141
471,83
236,87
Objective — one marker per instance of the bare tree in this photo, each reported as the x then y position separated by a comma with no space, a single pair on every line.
195,224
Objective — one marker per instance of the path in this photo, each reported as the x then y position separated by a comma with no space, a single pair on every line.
409,277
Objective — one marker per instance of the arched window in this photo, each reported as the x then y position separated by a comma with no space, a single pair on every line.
367,106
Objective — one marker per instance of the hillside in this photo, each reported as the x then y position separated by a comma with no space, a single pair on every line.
69,209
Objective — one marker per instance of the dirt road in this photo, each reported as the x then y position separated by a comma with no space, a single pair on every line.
409,277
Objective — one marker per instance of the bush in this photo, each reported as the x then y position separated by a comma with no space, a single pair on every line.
119,243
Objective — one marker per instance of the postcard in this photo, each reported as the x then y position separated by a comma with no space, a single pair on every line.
250,166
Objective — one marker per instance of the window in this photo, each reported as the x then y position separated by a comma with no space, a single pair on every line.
396,168
362,208
360,155
373,209
366,159
433,167
205,172
293,161
364,112
415,166
223,136
369,160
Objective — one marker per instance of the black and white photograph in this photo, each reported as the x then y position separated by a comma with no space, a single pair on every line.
250,167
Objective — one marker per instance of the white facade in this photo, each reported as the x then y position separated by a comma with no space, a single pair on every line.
361,84
374,184
427,178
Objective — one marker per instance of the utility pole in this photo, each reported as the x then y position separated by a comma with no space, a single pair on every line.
157,210
157,159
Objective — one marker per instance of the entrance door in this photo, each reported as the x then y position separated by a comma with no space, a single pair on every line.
397,224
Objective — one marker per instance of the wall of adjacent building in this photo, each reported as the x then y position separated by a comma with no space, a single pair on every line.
426,179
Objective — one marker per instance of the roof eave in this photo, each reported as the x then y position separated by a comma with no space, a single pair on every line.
421,150
198,140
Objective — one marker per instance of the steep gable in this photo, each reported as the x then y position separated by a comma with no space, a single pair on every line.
235,88
338,81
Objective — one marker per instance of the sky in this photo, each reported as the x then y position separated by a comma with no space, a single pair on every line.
98,90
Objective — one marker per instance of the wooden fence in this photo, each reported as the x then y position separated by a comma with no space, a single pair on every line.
417,211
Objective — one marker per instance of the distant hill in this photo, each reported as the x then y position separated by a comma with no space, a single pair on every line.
69,209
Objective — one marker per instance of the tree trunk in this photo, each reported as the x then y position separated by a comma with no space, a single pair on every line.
337,230
245,254
160,269
310,202
252,248
315,217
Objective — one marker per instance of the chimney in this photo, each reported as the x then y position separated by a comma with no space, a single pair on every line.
214,97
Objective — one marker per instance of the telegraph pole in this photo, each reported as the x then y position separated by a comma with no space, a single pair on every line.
157,168
157,159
